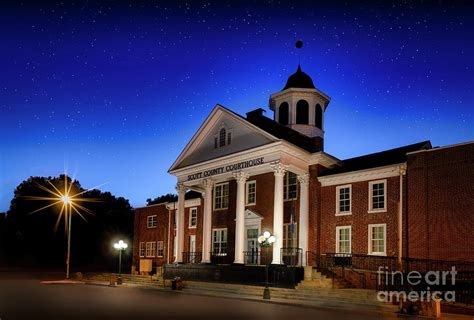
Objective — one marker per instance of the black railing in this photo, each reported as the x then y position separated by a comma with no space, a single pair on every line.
291,256
222,257
391,274
386,263
192,257
252,257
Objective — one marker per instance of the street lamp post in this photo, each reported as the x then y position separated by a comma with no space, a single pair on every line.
266,240
67,205
120,246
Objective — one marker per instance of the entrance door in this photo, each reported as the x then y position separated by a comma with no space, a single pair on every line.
252,245
192,249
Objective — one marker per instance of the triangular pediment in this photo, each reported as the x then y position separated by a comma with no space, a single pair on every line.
252,215
206,142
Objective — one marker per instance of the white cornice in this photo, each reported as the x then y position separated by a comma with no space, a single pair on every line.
361,175
291,91
324,159
230,158
187,204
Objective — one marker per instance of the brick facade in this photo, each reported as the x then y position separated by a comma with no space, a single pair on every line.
441,204
437,210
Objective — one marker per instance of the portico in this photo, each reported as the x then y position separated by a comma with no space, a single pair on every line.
269,160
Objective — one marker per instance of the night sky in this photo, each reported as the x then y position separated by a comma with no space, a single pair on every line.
114,91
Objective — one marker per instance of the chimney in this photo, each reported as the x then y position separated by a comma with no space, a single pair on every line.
254,114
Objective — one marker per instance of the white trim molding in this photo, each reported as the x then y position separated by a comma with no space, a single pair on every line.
247,186
338,229
190,218
369,248
361,175
187,204
371,203
338,205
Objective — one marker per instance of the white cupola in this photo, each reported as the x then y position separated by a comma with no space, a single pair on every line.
300,105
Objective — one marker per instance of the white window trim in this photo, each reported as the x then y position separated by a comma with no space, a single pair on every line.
286,178
338,207
142,244
247,203
384,253
371,183
214,196
227,243
162,248
338,228
190,218
148,220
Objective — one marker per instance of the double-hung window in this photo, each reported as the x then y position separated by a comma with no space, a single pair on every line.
219,242
377,239
343,199
290,235
290,186
141,251
159,249
343,239
251,193
193,217
377,195
221,196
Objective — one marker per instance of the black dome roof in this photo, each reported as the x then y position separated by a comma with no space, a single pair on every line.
299,79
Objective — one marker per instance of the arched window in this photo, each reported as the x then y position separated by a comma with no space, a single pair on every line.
302,112
318,120
222,137
283,113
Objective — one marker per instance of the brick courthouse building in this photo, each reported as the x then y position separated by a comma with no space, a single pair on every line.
240,176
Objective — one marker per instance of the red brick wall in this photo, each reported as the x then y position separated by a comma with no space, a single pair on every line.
144,234
441,203
360,219
265,184
220,218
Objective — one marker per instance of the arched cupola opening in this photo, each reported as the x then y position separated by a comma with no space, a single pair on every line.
283,113
318,121
302,112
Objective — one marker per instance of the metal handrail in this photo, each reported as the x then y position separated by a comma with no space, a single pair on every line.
291,256
192,257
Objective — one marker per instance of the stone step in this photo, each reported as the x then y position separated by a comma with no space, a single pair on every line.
289,293
319,301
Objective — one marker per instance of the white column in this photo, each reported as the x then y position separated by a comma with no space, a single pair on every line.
240,177
304,216
207,222
279,170
180,223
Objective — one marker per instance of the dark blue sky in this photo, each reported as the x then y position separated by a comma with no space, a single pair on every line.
114,91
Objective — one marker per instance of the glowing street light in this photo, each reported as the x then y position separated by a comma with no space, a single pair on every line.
265,241
69,203
120,246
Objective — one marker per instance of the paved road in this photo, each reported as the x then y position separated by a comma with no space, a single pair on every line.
22,298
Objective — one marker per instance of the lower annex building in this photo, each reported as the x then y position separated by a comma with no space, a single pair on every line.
240,176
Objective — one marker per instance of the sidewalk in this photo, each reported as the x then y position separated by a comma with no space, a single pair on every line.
346,300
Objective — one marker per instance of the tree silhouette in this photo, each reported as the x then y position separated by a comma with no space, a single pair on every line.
169,197
30,238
